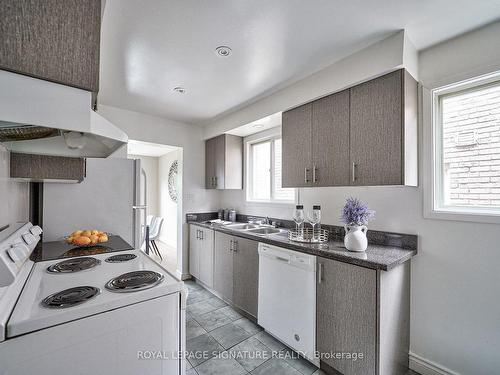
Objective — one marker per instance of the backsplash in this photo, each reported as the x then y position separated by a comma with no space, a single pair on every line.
336,232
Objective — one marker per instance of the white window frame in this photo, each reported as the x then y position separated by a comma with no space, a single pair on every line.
264,136
433,197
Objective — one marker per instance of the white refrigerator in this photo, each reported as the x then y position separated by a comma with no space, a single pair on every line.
111,198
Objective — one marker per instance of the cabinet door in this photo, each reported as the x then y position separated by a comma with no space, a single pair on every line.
346,319
55,40
376,131
296,154
220,160
223,269
330,140
210,163
246,275
206,257
194,244
233,176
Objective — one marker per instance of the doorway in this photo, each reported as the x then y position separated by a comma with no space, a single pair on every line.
162,167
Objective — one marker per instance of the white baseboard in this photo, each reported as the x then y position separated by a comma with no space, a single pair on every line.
426,367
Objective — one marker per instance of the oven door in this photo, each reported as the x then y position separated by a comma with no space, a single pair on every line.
144,338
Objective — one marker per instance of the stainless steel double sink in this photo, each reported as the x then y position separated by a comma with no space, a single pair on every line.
259,230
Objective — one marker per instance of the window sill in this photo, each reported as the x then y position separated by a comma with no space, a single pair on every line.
464,214
268,203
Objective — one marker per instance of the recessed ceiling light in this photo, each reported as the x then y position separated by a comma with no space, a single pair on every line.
180,90
223,51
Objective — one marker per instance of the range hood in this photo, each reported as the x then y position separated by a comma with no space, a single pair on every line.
40,117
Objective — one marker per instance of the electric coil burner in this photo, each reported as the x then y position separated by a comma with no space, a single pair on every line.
120,258
134,281
74,265
70,297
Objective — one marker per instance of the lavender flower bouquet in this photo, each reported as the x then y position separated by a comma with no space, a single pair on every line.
356,212
355,216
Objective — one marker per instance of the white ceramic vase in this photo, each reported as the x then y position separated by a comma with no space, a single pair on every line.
355,237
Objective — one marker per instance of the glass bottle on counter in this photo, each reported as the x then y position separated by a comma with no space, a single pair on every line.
298,217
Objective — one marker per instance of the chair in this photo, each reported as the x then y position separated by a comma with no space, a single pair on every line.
149,219
154,234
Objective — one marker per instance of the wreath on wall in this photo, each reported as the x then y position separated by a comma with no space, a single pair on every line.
172,180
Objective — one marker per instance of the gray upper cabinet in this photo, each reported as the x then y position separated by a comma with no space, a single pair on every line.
55,40
346,315
224,162
223,266
246,275
377,132
330,140
47,168
209,163
365,135
296,143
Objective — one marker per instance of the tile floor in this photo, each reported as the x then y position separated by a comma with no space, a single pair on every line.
229,344
222,342
169,255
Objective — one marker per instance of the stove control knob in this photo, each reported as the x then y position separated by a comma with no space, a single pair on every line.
18,252
36,230
28,238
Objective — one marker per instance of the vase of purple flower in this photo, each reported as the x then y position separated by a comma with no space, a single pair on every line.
355,216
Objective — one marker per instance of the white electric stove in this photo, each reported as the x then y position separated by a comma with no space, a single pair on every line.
109,313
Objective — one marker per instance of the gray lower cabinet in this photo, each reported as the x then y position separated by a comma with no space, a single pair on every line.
223,270
55,40
346,316
246,275
224,162
201,254
194,253
236,273
361,310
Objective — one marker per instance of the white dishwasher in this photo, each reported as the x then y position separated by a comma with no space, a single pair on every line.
287,297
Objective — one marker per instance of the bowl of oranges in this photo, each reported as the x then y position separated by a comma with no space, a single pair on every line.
84,238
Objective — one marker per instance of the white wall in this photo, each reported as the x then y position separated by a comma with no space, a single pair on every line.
150,165
14,196
169,208
195,198
455,309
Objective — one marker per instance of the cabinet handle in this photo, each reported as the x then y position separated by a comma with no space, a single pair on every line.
235,248
305,175
320,273
230,245
354,165
314,174
197,234
215,181
201,235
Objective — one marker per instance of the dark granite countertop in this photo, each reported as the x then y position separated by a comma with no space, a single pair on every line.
379,257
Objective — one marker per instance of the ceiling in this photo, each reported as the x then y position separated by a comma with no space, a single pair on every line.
257,126
140,148
150,47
